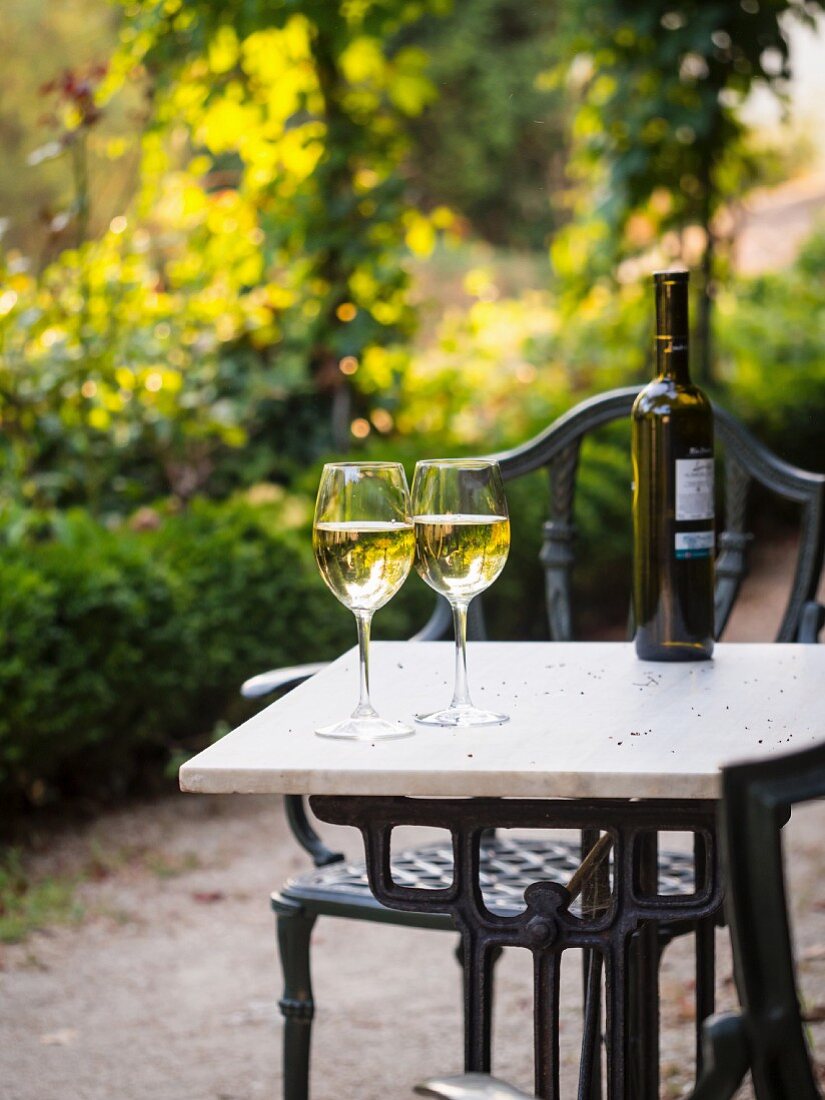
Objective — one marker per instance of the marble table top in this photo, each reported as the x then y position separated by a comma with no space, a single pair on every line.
588,720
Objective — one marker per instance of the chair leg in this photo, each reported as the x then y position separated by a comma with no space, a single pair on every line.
296,1004
705,947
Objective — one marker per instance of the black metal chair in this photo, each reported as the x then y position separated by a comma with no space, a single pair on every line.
339,888
767,1035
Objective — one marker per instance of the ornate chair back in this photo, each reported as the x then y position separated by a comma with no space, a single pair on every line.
757,801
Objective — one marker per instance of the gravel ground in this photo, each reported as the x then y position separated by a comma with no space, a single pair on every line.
167,987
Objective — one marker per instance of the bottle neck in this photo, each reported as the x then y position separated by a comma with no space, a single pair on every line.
672,359
672,326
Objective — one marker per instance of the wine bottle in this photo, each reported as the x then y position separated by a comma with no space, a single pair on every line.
673,499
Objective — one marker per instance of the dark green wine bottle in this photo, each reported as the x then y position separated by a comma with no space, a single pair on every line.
673,519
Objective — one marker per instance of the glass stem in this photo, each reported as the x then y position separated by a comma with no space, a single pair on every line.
461,692
365,708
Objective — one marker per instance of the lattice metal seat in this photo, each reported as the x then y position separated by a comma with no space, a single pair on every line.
508,866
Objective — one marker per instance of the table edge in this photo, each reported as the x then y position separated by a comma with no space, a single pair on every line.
202,780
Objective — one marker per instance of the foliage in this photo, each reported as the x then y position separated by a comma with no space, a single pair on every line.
266,253
43,43
771,340
117,386
74,115
502,369
657,122
29,902
492,144
253,308
119,646
658,145
298,108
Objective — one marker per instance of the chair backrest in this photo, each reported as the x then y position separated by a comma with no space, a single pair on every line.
757,802
557,450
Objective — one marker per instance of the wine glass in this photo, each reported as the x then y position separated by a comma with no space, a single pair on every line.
462,537
363,539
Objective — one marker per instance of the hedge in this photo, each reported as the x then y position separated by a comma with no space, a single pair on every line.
120,648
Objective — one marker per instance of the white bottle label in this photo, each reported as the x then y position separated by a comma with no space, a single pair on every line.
694,544
694,488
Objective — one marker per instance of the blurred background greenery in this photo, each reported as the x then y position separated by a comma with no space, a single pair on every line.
238,238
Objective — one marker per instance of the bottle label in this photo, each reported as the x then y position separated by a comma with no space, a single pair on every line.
694,544
694,488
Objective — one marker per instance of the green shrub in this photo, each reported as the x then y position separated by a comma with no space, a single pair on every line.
120,646
771,336
89,643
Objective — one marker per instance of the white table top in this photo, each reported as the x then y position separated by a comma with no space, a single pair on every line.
587,720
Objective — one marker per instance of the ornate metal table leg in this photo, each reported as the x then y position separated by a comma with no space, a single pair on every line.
546,974
595,893
644,980
705,947
616,1034
477,1003
552,920
590,1070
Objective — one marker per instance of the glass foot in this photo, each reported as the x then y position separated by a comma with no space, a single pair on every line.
366,729
462,716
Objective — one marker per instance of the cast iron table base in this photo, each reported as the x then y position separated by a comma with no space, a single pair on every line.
610,909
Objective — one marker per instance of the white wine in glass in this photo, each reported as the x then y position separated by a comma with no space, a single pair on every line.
462,538
364,545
